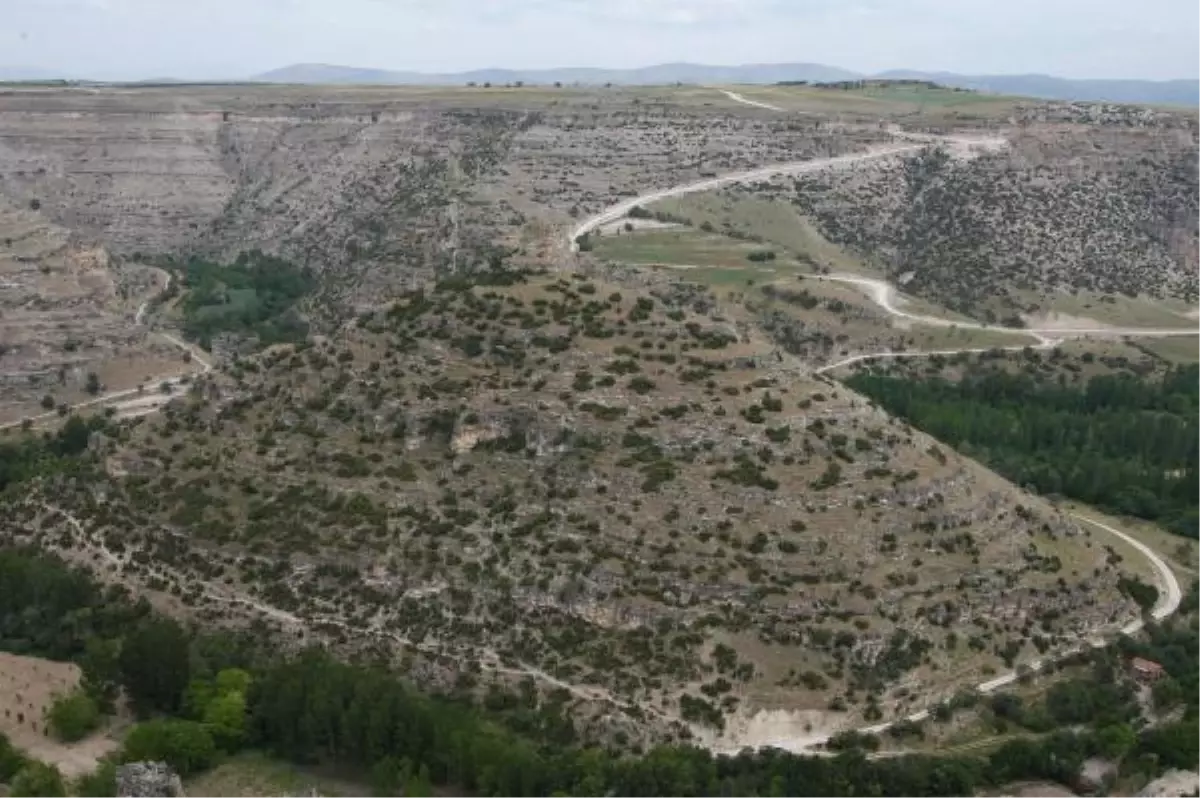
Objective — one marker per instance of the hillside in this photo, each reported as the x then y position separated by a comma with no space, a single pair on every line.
643,514
69,318
1057,213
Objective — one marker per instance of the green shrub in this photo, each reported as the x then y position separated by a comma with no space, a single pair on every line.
185,745
73,717
37,778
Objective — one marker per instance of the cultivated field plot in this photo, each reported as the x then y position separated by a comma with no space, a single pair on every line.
28,686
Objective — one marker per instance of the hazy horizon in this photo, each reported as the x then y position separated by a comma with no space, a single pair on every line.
224,39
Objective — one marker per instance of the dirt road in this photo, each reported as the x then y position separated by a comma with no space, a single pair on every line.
884,294
762,173
733,95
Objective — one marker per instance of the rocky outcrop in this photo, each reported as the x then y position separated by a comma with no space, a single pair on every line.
148,779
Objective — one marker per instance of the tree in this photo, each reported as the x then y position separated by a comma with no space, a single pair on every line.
93,383
73,717
185,745
73,438
154,666
38,778
225,717
1115,741
1166,693
389,775
101,671
418,785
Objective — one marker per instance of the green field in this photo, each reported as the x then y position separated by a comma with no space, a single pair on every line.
685,246
775,223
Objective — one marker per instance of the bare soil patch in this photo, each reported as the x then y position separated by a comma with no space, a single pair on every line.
28,686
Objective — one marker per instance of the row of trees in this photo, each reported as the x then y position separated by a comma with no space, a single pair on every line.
1122,443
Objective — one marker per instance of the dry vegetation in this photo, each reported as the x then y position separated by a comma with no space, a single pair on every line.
66,312
369,186
600,489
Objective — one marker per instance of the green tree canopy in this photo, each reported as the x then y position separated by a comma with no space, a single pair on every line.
73,717
155,668
185,745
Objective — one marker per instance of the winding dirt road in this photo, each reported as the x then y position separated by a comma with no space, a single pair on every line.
135,402
884,294
622,208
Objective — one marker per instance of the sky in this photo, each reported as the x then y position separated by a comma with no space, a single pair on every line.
225,39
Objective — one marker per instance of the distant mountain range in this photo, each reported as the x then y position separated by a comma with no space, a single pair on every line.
643,76
1167,92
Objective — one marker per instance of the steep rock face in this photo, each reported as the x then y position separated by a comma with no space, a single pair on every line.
331,187
137,181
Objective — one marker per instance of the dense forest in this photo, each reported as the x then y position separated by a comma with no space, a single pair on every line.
1119,442
256,295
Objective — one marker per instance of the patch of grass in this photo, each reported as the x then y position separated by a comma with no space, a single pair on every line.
763,220
1182,349
1116,309
676,246
896,100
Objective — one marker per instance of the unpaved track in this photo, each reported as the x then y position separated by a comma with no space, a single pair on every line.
132,402
884,294
733,95
762,173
